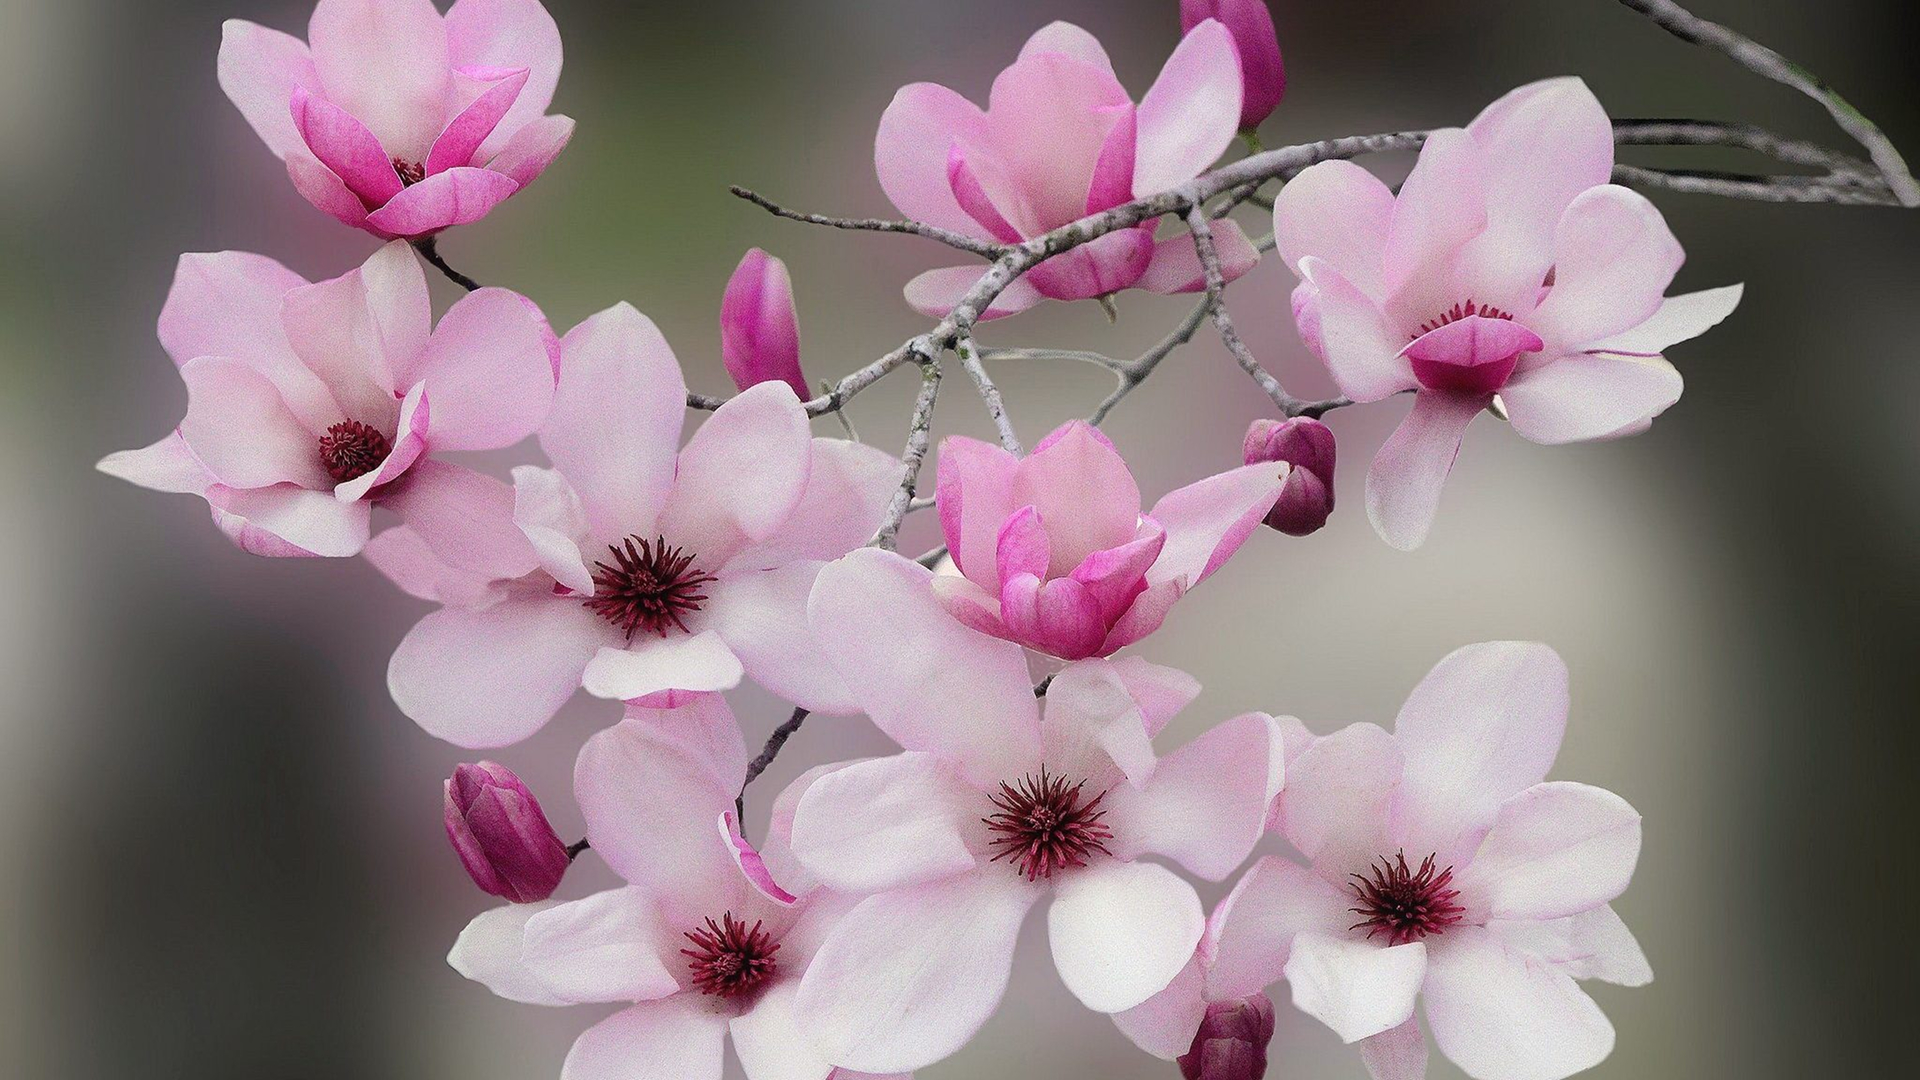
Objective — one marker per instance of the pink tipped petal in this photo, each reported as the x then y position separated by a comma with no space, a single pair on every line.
965,168
465,518
1175,265
937,292
1065,39
1483,726
242,431
386,62
1578,398
508,34
228,304
974,494
406,560
1339,213
1357,988
1251,933
1403,485
651,787
167,465
490,950
532,149
614,430
1353,338
1680,318
460,143
1207,521
289,522
1495,1011
328,194
1474,355
887,824
909,977
260,69
488,371
971,605
1164,1025
910,153
927,681
1555,850
1103,266
492,677
762,615
346,148
1338,805
1116,577
1189,116
1545,144
1059,617
1113,172
1613,259
1145,614
1398,1053
1121,931
679,1038
1049,116
848,488
699,663
606,947
759,329
1023,548
455,197
1442,205
1206,804
1083,492
409,444
746,859
1262,70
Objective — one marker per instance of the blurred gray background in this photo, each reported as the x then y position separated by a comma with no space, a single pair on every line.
221,842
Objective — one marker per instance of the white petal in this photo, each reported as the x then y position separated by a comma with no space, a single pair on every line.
1121,931
1357,988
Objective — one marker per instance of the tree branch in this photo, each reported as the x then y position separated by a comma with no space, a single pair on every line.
429,249
775,743
919,436
989,393
945,236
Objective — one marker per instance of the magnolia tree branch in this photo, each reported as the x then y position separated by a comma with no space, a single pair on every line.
946,236
775,743
996,408
919,437
429,249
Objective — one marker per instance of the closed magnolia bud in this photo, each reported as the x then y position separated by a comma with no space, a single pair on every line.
1232,1043
1306,444
759,328
502,835
1261,69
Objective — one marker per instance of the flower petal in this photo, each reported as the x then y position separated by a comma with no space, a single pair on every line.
1339,213
345,146
910,153
1442,206
1680,318
770,1042
849,486
1404,482
1545,142
1083,491
1496,1012
1188,117
1577,398
698,663
974,494
508,34
762,615
937,292
406,560
241,430
1121,931
1250,935
1614,257
889,823
489,951
1398,1053
465,518
495,676
1356,988
610,946
487,372
1556,849
168,465
759,330
741,475
676,1039
460,143
1207,521
1175,265
1206,805
259,70
1338,804
1354,340
455,197
285,521
532,149
386,62
1164,1025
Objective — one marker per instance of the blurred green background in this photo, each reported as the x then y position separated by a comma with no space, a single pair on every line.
221,842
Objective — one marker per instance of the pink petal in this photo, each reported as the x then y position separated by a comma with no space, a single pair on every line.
490,952
1049,116
1250,936
228,304
406,560
1083,491
409,443
289,522
493,677
1104,266
1264,73
1613,260
1095,728
1145,614
328,194
651,788
1189,116
969,170
927,681
358,330
1121,931
346,148
679,1038
607,947
1339,213
1065,39
1206,804
1355,341
1442,205
1497,1012
386,62
532,149
1337,809
465,518
239,427
1483,726
1354,987
1545,143
488,373
910,976
1022,549
974,494
1116,577
1058,617
614,431
910,153
508,34
1164,1025
937,292
741,475
1175,265
759,330
1474,355
455,197
747,860
460,143
1207,521
167,465
1556,850
1403,485
848,488
698,663
260,69
1680,318
549,514
1577,398
1398,1053
890,823
1113,172
762,616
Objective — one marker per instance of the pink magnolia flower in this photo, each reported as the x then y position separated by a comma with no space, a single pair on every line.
640,568
759,328
397,120
1440,863
502,835
307,404
1061,139
1055,552
992,808
701,944
1263,72
1307,445
1507,266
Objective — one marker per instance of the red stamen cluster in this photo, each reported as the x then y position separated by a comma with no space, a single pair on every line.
1406,904
351,449
729,958
1462,311
409,172
649,586
1045,828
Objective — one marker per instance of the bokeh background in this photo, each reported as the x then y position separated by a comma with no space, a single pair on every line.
220,846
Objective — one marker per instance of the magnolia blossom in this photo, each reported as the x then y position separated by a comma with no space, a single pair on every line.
759,328
1439,863
306,403
501,834
1061,139
397,120
702,943
1507,267
1055,552
636,567
992,808
1263,72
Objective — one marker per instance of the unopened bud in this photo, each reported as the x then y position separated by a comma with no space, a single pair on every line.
1232,1043
502,835
1306,444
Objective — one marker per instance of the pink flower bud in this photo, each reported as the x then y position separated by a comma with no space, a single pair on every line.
759,329
501,834
1307,499
1262,70
1232,1043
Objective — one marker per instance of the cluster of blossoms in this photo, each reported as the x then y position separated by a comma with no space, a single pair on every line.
871,929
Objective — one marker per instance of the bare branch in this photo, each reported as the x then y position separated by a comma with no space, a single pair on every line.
429,249
919,436
775,743
989,393
948,237
1216,305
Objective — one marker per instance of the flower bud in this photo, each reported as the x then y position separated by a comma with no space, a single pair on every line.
1306,444
502,835
1261,69
1232,1043
759,328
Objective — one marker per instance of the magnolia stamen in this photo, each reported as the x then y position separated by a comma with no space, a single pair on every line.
729,958
648,586
1043,826
351,449
1405,904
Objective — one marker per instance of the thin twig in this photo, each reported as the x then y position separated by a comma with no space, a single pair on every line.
919,436
989,393
429,249
775,743
948,237
1216,304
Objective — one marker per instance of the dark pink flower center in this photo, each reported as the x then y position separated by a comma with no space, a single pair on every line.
351,449
1457,312
1046,824
1405,904
648,586
409,172
730,959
